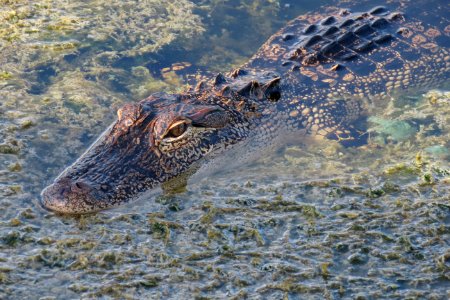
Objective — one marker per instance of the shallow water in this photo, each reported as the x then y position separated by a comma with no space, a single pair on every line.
312,221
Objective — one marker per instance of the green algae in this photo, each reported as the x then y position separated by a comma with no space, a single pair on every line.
438,150
43,34
9,149
4,75
396,130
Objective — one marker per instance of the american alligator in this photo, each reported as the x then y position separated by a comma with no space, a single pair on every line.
319,75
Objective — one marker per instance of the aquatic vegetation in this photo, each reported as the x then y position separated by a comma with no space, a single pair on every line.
315,221
397,130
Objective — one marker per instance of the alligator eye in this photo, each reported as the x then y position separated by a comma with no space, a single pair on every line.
177,129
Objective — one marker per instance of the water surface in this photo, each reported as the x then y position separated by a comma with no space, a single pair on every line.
311,221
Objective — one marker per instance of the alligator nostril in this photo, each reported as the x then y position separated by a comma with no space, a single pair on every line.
80,187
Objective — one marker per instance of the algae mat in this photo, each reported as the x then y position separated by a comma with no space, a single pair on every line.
312,221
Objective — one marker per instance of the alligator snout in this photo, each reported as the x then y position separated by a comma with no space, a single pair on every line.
71,196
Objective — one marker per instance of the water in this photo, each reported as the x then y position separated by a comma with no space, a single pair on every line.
312,221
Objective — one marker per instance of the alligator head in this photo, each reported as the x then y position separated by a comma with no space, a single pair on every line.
161,139
151,142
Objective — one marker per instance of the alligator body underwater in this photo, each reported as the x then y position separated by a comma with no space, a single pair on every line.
317,76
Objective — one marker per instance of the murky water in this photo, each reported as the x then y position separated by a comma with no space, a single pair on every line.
310,221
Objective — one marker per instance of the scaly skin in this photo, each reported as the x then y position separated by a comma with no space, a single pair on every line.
319,75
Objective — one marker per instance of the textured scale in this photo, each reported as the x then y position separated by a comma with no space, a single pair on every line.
319,75
350,54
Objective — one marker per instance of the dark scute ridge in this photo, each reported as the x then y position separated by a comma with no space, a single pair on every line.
364,29
382,39
347,38
310,29
328,21
313,40
378,10
343,37
347,23
379,23
331,30
365,47
288,36
331,48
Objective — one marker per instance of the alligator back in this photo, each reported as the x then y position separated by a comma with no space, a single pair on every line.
328,58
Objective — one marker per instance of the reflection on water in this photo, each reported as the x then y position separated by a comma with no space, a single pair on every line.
311,221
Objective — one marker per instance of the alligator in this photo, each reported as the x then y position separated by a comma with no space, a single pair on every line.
318,76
